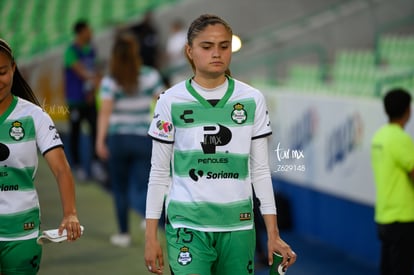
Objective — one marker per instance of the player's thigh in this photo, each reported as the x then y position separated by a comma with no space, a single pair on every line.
20,257
189,251
235,253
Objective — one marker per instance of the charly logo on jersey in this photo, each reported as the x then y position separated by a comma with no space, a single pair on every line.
17,131
184,257
186,116
239,114
215,135
56,134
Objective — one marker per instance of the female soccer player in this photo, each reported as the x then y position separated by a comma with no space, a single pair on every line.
126,95
25,128
213,130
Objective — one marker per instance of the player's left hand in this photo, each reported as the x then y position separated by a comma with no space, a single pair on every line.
281,247
72,226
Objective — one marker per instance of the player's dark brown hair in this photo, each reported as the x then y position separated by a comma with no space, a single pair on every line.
198,25
396,103
125,63
80,25
20,87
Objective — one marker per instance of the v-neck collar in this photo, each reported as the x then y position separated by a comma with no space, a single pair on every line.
9,110
205,102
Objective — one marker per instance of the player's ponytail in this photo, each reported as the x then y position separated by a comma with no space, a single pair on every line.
20,87
125,62
198,25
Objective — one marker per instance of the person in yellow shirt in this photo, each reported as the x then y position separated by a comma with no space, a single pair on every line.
392,158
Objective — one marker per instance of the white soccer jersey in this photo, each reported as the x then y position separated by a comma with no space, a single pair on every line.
131,113
211,186
25,128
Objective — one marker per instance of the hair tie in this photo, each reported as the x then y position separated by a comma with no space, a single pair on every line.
4,45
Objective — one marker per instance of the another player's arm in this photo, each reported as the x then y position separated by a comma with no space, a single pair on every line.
406,156
158,185
102,128
59,166
72,61
81,71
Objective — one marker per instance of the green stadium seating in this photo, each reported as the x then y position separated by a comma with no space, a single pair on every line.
397,51
355,72
33,27
305,76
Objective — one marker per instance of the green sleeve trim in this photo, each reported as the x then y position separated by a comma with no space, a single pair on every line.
70,57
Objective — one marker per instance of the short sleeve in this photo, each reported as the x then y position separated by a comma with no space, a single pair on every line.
405,153
47,136
162,128
151,81
107,88
70,57
261,126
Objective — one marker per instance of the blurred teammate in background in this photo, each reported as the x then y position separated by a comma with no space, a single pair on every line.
392,157
174,50
81,81
126,94
26,128
212,130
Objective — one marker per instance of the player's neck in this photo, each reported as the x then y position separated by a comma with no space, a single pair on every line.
209,83
401,121
80,42
5,103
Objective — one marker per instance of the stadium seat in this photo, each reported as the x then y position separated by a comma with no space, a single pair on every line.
354,72
33,27
397,51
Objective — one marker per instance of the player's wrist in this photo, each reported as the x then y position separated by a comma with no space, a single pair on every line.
70,216
273,234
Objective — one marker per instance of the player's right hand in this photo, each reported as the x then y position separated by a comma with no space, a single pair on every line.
154,259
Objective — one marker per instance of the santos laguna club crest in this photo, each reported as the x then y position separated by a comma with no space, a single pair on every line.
16,131
184,257
239,114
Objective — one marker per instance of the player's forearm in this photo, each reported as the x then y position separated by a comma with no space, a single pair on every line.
151,230
60,168
82,72
272,228
103,120
67,191
260,175
68,200
159,180
67,196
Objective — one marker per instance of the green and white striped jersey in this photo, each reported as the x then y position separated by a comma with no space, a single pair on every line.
131,113
25,128
211,186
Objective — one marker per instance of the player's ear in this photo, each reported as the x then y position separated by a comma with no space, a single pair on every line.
188,51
